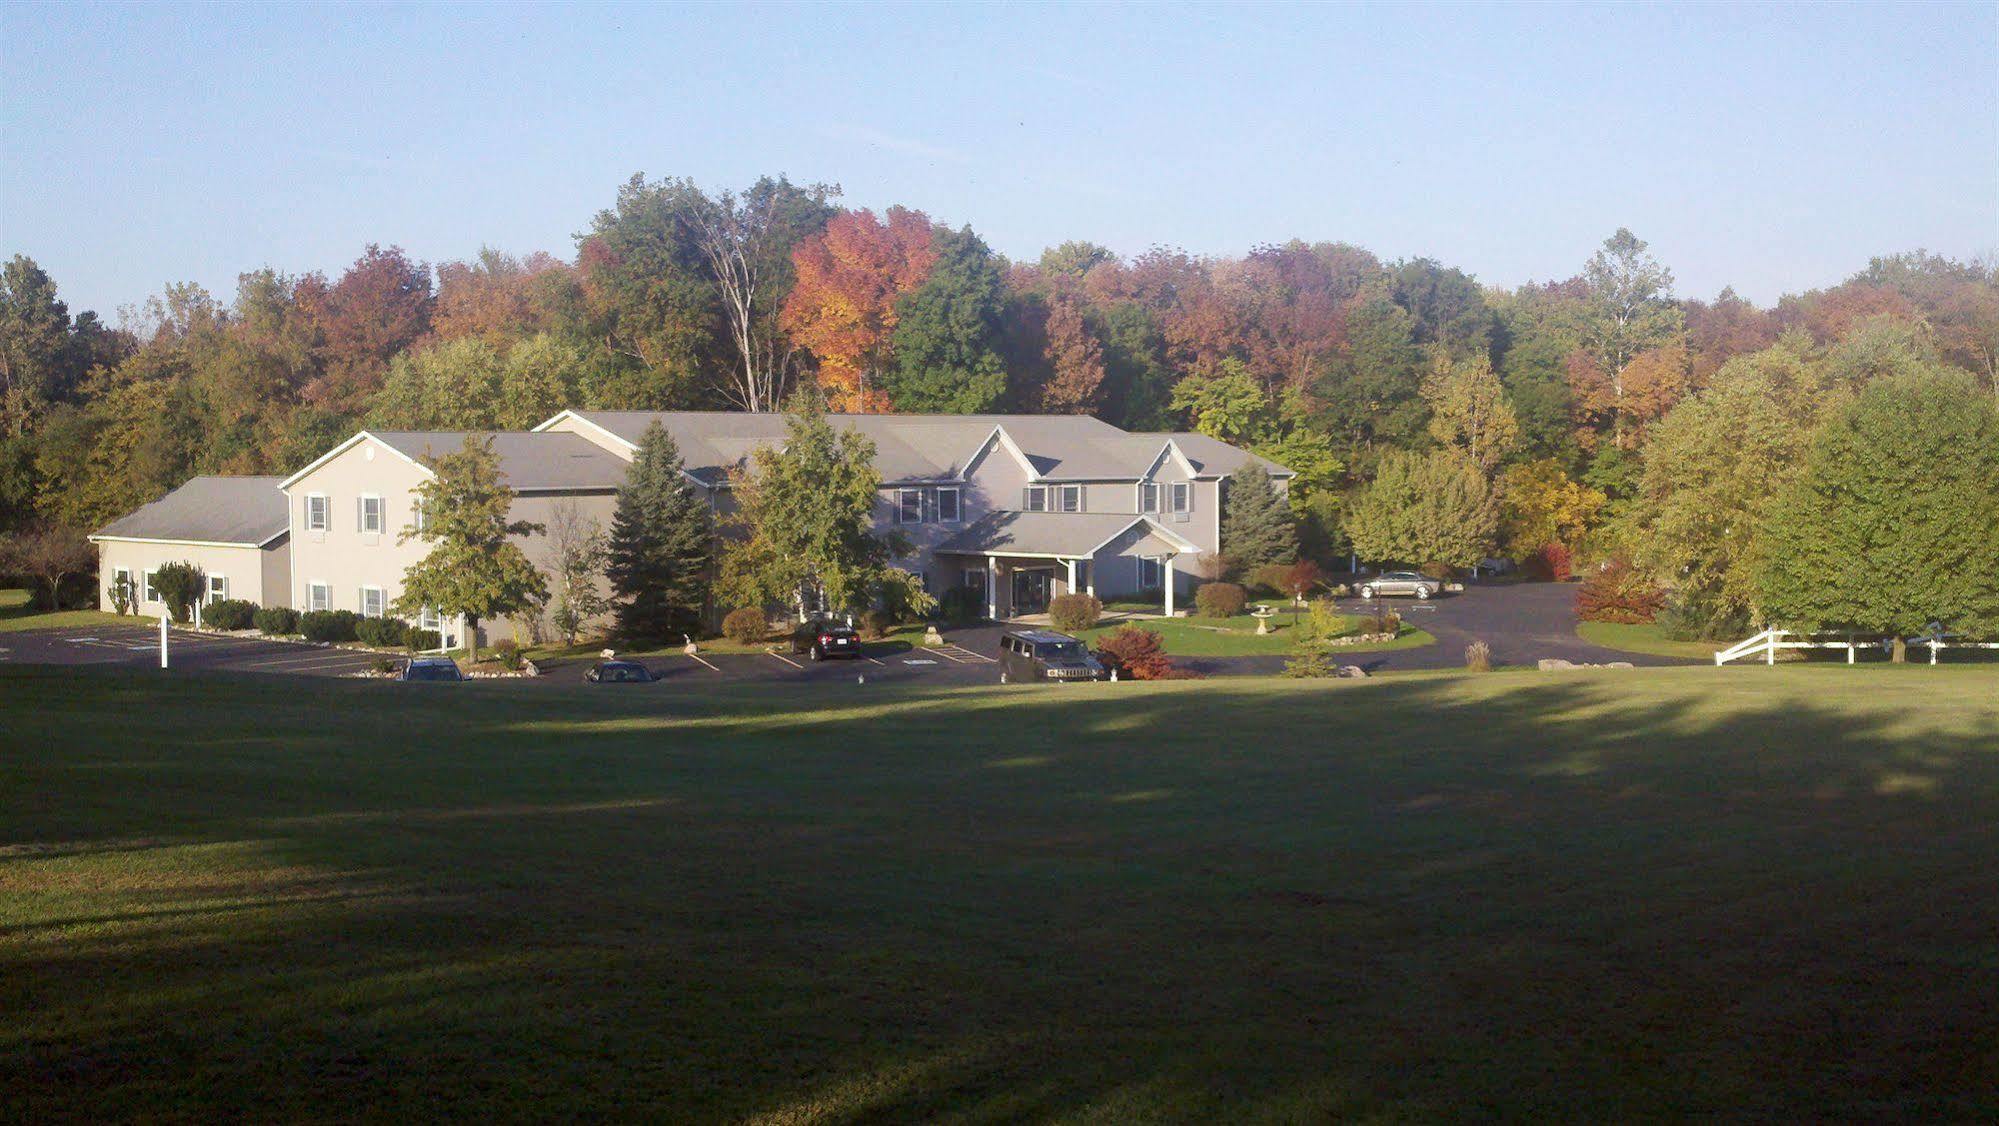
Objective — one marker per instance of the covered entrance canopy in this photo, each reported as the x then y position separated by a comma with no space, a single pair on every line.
1067,548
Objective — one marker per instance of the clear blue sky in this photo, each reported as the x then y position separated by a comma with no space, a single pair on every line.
1772,148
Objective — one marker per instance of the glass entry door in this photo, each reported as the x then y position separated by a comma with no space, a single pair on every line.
1030,591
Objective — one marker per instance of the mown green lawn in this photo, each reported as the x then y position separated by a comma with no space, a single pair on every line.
17,613
1607,896
1646,637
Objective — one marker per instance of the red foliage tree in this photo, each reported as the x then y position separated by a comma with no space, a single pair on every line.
493,296
842,307
1135,653
1619,592
379,307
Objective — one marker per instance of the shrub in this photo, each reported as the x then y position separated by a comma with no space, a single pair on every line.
229,613
1478,657
1323,622
875,624
422,640
1307,664
1619,592
382,633
1072,612
179,586
276,621
1550,563
1693,615
1135,654
962,605
123,597
328,625
508,653
1384,621
746,626
1270,578
384,665
1220,600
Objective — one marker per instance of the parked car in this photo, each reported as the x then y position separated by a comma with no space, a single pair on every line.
619,672
1402,582
821,639
430,668
1043,654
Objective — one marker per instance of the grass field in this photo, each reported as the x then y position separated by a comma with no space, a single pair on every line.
17,613
1646,638
1751,893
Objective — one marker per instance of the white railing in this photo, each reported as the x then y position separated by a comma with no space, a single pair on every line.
1769,641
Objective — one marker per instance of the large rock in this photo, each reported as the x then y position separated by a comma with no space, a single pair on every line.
1352,672
1554,664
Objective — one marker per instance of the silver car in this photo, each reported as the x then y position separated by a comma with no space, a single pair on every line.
1402,582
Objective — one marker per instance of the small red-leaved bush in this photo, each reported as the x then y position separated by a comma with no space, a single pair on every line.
1136,654
1619,592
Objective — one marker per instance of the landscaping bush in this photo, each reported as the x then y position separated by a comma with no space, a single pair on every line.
962,605
1619,592
180,585
123,596
875,625
229,613
746,626
1384,621
1270,577
1323,622
508,653
382,633
1072,612
328,625
1690,615
1478,657
1220,600
422,640
1135,653
276,621
1550,563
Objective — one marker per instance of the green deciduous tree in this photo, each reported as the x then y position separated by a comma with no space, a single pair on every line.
1257,525
947,332
1629,310
180,586
1894,521
1227,403
473,568
1469,412
1420,509
806,515
662,544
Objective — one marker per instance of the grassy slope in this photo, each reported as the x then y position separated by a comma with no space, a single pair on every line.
1647,638
1237,637
1605,896
16,614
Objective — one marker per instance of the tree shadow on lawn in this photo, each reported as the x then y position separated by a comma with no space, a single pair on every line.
1703,891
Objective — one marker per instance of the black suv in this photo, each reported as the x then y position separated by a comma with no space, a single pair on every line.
821,639
1043,654
619,672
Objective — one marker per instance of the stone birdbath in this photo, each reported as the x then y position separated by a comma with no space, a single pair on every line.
1262,612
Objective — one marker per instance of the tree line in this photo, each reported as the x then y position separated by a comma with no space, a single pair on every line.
1432,419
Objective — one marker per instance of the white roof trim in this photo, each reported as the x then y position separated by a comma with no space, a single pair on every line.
259,544
285,485
1165,533
631,447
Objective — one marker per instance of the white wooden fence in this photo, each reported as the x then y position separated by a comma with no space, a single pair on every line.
1770,640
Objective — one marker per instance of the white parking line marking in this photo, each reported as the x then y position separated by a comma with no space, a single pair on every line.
712,668
78,640
972,655
956,660
918,661
870,658
786,660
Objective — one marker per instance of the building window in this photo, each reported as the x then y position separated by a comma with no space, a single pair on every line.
315,513
909,506
1071,497
416,513
1149,573
372,603
975,578
1183,499
1035,499
318,596
218,588
371,514
429,618
151,594
947,505
1148,497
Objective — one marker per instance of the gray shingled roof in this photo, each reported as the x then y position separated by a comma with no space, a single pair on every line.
1068,534
1212,456
245,510
916,447
530,461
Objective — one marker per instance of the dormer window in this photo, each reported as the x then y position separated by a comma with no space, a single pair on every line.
909,506
1071,498
1148,497
947,505
1035,498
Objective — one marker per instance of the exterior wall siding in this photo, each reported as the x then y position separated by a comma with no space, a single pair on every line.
250,570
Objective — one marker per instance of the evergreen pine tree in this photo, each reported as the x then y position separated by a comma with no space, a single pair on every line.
1257,527
662,544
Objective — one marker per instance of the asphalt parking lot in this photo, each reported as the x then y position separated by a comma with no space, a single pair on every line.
138,646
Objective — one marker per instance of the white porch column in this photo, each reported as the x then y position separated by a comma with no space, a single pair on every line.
1166,577
992,588
1092,579
1072,576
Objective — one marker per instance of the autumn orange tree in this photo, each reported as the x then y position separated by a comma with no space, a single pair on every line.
842,306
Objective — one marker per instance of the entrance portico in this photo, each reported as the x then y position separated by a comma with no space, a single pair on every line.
1021,560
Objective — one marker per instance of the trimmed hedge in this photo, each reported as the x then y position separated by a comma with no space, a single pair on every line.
1072,612
1220,600
382,633
329,625
229,613
423,640
276,621
746,626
